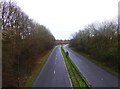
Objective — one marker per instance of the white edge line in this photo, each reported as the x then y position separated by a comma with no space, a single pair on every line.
66,69
54,71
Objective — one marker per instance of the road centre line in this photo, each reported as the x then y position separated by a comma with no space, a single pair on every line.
101,78
54,71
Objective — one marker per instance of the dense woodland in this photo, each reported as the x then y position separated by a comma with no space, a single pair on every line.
100,41
23,41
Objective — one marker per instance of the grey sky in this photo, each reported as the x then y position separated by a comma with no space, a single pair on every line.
64,17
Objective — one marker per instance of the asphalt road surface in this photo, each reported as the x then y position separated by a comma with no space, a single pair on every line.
95,75
54,72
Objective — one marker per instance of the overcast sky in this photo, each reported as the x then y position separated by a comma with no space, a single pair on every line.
64,17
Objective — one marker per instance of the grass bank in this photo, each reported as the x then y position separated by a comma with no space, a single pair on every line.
76,77
39,65
89,57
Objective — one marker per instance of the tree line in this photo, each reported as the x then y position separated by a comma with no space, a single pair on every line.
23,41
100,41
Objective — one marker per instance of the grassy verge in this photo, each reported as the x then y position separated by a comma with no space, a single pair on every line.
75,75
108,69
39,65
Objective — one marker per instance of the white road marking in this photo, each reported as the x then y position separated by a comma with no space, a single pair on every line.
101,78
54,71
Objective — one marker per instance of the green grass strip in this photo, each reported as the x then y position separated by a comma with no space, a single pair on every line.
76,77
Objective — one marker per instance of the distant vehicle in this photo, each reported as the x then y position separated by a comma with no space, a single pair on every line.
67,54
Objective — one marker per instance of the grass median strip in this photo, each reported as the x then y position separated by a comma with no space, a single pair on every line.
76,77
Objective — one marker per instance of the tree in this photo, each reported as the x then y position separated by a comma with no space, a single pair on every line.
23,42
99,42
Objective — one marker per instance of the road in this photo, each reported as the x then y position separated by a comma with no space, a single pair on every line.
54,72
95,75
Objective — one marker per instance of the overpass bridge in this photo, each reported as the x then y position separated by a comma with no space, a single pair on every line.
62,42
